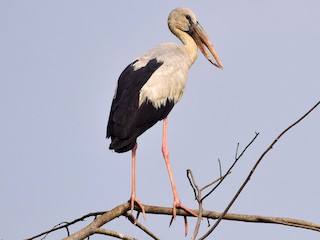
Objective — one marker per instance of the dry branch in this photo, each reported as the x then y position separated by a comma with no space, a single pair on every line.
101,218
122,210
98,222
254,168
238,217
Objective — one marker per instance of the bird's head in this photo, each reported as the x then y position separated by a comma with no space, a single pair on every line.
183,19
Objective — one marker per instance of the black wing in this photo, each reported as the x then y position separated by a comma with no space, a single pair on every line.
127,120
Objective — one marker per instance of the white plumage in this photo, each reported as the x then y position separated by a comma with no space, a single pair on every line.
169,80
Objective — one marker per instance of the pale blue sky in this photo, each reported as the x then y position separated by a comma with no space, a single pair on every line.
59,63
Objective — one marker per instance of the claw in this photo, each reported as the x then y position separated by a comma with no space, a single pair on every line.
177,204
135,200
185,226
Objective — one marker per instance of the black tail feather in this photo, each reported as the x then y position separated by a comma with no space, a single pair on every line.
121,146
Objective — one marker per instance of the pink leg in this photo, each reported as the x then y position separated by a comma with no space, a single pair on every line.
133,198
165,152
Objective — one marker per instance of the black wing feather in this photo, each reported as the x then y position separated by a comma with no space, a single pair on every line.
127,120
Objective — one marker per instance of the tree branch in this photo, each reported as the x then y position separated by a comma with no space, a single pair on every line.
237,217
122,209
101,218
139,225
234,163
99,221
254,168
198,191
113,234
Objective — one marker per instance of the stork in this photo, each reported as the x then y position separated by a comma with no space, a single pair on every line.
150,86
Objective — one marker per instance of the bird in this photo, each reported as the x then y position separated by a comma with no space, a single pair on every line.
150,86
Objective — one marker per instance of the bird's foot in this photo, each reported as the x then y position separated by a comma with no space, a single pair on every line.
133,200
178,204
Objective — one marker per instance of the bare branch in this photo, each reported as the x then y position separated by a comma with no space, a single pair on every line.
113,234
237,217
215,181
98,222
139,225
220,168
263,219
197,192
193,184
237,149
66,225
234,163
102,218
122,210
254,167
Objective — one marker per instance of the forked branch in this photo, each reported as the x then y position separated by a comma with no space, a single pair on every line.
254,168
101,218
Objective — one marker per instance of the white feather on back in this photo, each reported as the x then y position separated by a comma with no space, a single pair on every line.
169,80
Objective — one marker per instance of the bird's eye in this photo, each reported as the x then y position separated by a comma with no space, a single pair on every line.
188,18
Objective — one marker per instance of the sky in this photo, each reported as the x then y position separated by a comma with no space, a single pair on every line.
59,63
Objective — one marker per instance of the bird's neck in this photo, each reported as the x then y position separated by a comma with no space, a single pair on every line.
190,46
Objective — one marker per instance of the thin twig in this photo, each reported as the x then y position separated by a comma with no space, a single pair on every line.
197,192
66,225
231,167
193,184
213,182
253,169
132,219
220,168
237,149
